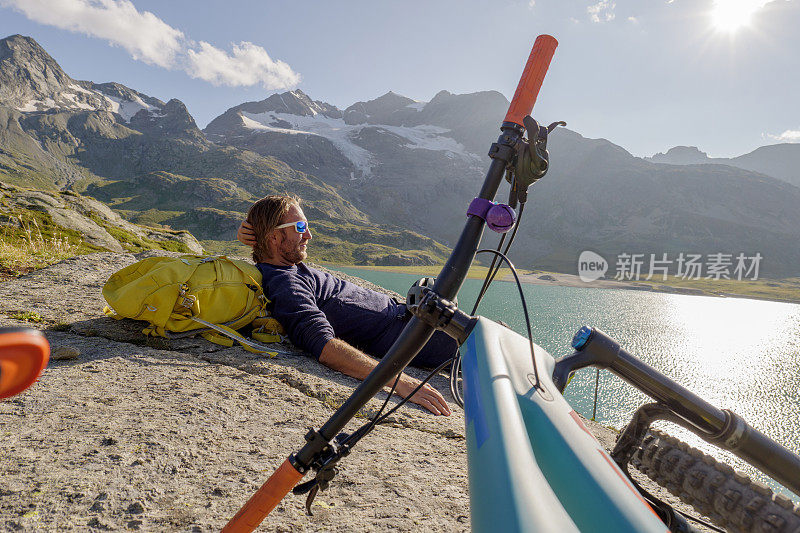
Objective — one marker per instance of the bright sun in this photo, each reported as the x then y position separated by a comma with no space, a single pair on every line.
730,15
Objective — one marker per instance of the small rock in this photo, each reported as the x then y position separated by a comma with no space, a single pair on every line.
135,508
218,492
65,353
94,522
108,441
97,507
134,524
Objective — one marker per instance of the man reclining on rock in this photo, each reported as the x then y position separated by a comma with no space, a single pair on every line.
336,321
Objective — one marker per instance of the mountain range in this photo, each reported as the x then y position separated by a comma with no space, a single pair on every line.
781,161
385,181
149,161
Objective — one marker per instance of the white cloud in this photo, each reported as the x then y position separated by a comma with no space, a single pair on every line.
789,136
249,65
602,11
633,20
142,34
149,39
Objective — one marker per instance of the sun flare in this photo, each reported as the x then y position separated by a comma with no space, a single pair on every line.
730,15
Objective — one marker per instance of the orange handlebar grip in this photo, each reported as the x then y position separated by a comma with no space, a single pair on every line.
264,500
23,356
532,78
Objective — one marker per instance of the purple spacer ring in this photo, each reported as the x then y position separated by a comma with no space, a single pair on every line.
499,217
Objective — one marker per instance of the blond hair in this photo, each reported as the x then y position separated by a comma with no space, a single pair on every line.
264,216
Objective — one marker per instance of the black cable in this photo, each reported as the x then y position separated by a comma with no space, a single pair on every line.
423,382
455,371
386,401
524,306
490,275
366,428
508,247
488,279
456,360
369,426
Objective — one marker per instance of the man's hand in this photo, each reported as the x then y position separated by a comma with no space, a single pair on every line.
246,235
340,356
427,397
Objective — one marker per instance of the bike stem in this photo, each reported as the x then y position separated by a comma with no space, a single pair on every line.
417,332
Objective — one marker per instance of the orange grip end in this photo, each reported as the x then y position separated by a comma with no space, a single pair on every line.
532,78
23,356
264,500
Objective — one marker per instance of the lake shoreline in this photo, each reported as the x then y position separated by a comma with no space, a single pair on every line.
570,280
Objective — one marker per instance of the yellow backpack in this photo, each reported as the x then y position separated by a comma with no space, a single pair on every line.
180,296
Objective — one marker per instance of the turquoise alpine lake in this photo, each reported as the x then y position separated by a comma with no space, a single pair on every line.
736,353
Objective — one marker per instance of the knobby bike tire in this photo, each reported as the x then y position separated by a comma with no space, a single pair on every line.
731,499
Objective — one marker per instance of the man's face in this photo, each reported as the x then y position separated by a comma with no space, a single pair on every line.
292,245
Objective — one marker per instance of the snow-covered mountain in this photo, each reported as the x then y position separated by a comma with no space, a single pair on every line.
380,179
149,159
418,164
377,151
355,133
31,80
50,121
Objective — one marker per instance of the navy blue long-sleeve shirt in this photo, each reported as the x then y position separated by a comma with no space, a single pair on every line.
314,307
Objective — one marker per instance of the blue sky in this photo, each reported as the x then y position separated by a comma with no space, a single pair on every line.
722,75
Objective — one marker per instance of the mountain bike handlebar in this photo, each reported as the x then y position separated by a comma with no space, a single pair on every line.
532,78
264,500
416,332
24,353
722,428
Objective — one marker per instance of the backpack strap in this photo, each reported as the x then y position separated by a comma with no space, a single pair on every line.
233,335
259,290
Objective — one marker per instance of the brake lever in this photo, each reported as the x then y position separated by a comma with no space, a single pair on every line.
532,158
320,482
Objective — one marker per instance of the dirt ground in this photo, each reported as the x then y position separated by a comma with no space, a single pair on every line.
175,435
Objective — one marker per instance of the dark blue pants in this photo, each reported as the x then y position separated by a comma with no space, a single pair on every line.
439,348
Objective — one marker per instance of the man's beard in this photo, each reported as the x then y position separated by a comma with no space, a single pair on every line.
293,253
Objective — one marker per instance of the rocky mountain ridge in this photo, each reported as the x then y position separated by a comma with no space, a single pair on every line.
417,164
148,160
71,214
31,80
780,161
394,167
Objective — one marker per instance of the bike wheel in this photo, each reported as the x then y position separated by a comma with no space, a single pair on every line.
731,499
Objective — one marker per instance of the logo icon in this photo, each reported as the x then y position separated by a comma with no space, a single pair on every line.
591,266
